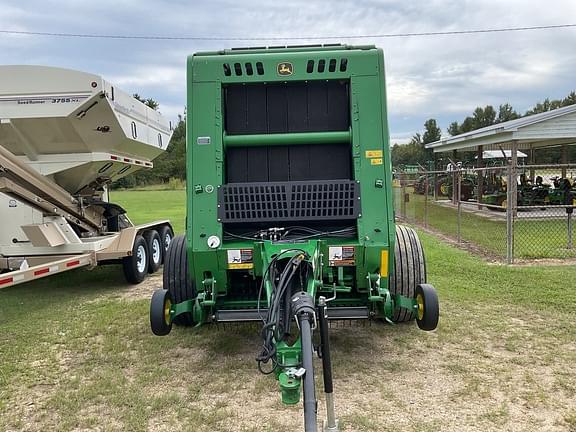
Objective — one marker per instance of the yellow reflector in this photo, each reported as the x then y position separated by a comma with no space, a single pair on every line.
384,263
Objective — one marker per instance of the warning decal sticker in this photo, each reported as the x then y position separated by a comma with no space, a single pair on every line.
339,256
373,154
240,259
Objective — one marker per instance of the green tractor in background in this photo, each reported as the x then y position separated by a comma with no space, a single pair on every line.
528,194
443,185
563,193
290,221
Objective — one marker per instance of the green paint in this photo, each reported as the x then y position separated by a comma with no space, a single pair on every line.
287,138
289,388
369,132
288,357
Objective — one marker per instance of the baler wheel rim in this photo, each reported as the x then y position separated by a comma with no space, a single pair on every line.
167,307
420,303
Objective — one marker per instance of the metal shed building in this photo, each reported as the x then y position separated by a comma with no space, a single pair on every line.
556,128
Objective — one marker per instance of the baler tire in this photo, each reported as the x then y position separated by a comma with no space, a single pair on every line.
428,307
160,321
166,236
409,269
155,250
176,278
136,266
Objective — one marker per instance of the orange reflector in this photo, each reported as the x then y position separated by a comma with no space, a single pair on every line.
384,263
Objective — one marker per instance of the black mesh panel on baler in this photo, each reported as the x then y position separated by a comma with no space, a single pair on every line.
288,201
265,108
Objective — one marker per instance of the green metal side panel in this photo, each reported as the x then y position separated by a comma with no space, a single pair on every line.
210,68
367,131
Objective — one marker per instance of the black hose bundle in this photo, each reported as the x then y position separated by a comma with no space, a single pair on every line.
274,327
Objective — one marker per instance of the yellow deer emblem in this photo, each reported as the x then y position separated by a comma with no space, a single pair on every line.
285,68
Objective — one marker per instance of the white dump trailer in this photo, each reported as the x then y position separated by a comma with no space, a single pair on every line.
64,137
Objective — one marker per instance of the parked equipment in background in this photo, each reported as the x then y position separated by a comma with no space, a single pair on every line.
290,220
64,137
532,194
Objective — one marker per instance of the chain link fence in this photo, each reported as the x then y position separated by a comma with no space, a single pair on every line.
507,212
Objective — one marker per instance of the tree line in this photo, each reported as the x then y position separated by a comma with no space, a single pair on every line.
415,152
171,164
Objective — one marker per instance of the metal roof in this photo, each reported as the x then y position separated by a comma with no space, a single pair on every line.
539,130
497,154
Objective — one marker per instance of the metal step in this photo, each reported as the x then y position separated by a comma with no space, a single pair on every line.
334,313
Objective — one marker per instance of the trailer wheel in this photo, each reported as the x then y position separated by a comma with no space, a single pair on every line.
160,305
409,269
155,249
428,307
166,235
176,278
136,266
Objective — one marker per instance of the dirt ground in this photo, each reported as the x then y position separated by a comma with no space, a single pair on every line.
486,368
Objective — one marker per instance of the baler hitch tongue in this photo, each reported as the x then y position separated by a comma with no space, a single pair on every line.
308,318
302,305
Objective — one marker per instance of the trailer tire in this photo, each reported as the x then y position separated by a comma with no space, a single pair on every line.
176,278
428,307
166,235
136,266
160,321
409,269
155,249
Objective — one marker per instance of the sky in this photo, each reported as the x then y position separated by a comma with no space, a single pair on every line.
441,77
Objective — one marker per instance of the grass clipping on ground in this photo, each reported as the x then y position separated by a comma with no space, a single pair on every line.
77,354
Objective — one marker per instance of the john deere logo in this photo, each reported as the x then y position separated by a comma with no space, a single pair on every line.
285,68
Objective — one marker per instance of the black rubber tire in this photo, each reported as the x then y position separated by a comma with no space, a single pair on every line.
154,241
132,273
158,319
409,269
431,310
165,231
176,278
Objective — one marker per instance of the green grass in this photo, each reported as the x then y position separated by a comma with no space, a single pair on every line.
77,353
150,205
533,238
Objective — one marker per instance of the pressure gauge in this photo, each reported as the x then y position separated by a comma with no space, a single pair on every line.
213,242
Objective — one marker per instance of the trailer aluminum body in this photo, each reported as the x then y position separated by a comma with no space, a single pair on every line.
64,137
